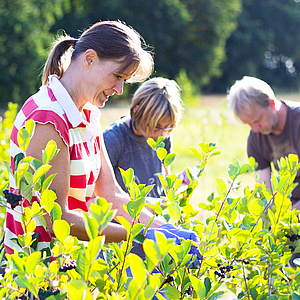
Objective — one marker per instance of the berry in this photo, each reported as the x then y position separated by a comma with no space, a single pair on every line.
68,266
12,198
45,294
293,237
189,290
292,248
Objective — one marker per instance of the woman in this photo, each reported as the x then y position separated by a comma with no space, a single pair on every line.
65,110
155,110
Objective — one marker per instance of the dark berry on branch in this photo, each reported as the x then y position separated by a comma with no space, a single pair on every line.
293,237
68,266
292,248
189,290
169,279
12,198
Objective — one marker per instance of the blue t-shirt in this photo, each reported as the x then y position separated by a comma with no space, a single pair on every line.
127,150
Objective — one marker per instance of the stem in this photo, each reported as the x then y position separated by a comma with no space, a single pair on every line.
269,282
268,204
225,198
245,279
125,254
181,291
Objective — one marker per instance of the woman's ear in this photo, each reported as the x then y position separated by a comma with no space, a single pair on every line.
89,58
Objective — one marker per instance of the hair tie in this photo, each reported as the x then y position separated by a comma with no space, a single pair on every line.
75,42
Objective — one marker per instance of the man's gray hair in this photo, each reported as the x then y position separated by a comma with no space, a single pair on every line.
249,91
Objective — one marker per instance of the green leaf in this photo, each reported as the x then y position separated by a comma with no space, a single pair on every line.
22,281
18,262
76,289
244,168
30,125
48,181
198,286
295,295
56,212
171,292
118,252
171,195
23,139
216,296
197,153
136,229
221,187
253,293
22,169
32,261
151,143
207,284
161,153
233,172
47,200
40,172
61,229
94,247
138,269
91,226
126,224
256,207
174,211
169,159
204,147
212,230
127,176
49,152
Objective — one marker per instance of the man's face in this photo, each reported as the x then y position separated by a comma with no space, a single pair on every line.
261,119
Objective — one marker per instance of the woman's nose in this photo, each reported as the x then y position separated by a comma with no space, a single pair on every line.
118,88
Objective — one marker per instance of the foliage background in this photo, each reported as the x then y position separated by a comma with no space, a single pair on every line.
215,42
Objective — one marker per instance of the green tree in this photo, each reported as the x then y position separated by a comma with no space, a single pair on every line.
265,44
24,39
185,34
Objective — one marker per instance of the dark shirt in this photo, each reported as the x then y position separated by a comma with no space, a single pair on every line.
270,148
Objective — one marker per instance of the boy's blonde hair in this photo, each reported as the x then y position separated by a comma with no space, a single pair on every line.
155,100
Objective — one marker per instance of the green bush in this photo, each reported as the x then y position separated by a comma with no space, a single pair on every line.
246,246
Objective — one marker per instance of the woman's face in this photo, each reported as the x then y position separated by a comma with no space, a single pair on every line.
103,80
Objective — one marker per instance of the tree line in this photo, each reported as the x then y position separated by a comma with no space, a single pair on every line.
215,42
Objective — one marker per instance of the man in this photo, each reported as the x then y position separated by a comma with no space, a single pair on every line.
274,126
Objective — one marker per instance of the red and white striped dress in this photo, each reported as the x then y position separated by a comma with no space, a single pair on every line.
52,104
